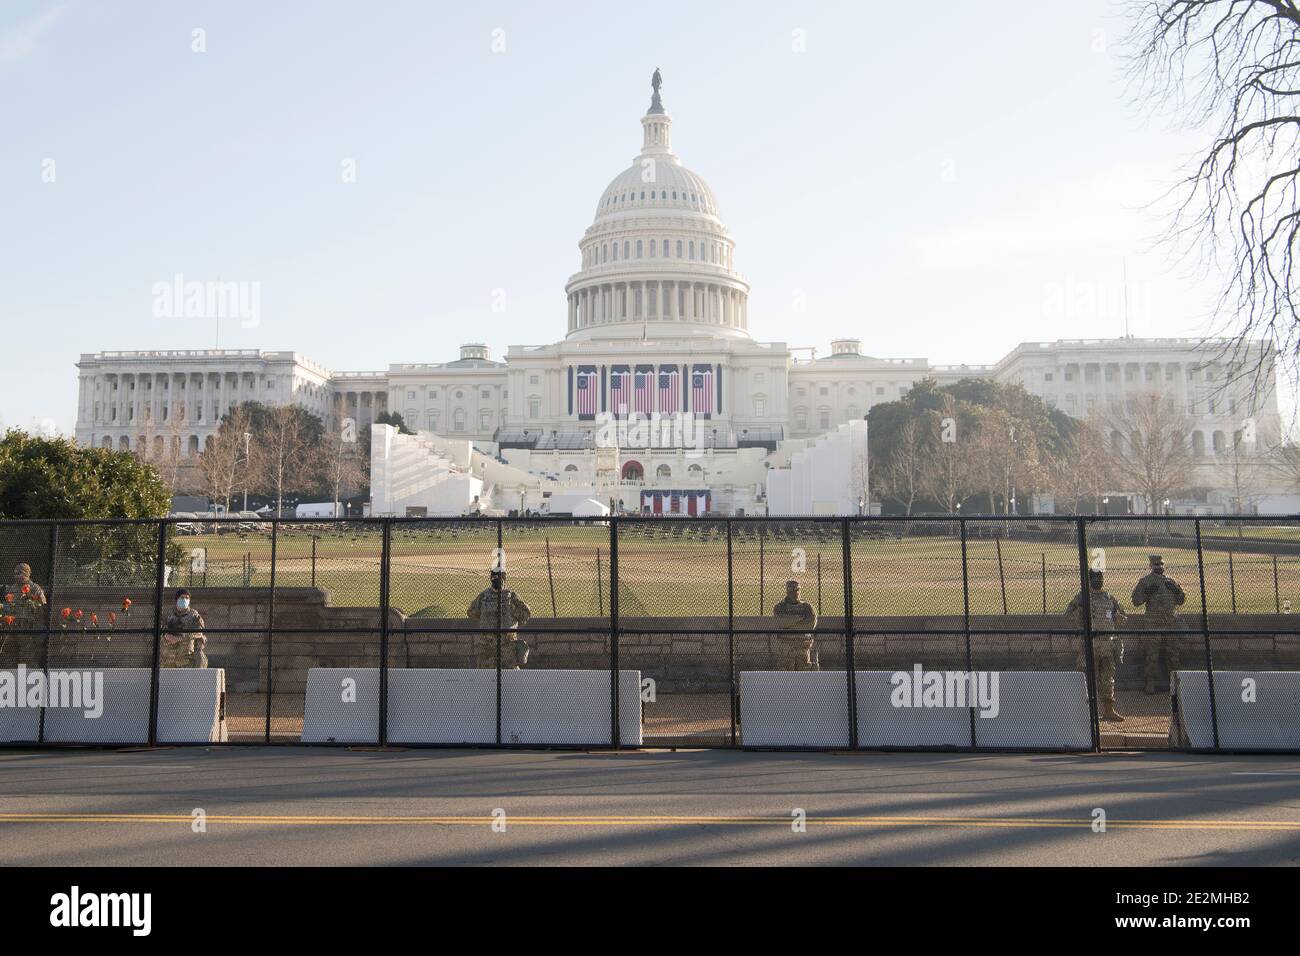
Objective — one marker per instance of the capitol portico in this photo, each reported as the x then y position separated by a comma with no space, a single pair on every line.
657,324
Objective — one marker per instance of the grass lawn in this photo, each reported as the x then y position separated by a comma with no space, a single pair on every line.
676,569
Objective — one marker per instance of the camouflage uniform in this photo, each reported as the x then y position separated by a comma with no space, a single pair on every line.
492,609
1107,647
1161,595
28,611
794,651
188,651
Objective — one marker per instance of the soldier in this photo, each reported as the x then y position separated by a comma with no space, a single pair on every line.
23,579
1162,596
794,651
1108,649
183,642
498,606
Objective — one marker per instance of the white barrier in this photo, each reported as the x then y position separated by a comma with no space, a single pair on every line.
881,724
192,705
794,709
341,706
1271,721
1034,710
191,709
458,706
1038,710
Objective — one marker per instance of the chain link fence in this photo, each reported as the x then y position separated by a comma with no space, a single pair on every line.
980,633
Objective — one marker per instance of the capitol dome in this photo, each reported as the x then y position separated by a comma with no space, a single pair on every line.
657,254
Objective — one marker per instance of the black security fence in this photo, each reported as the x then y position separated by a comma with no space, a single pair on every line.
974,633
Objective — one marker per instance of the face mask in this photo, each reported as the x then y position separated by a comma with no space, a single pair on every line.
182,604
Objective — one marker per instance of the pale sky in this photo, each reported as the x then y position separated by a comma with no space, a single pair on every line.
941,185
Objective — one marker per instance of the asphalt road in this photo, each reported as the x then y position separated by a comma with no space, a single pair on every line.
288,806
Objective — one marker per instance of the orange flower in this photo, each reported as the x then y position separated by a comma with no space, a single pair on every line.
78,614
126,604
67,612
112,617
9,619
94,618
9,599
27,588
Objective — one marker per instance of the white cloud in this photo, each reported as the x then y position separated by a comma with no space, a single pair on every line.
17,42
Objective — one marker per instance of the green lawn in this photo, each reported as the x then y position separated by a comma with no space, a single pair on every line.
439,572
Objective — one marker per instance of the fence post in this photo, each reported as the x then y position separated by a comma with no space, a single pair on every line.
270,627
1089,661
600,596
49,610
819,581
385,572
731,635
500,562
1232,583
160,573
850,632
1277,597
1043,563
1205,633
615,731
965,617
762,562
313,559
1002,575
550,577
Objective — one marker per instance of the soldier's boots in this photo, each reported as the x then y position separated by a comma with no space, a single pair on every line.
1108,712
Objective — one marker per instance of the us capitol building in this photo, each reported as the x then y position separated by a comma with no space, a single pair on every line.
657,325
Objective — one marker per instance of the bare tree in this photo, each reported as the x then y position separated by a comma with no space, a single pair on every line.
342,463
900,479
1153,457
1081,471
226,456
948,474
1232,68
282,453
1006,461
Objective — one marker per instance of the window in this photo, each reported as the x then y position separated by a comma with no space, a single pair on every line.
534,408
410,394
663,471
627,247
679,255
484,420
760,406
665,248
458,420
1047,376
824,418
692,249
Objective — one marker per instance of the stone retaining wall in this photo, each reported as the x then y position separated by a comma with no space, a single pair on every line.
678,660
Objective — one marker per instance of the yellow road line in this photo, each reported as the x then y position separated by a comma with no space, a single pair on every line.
650,821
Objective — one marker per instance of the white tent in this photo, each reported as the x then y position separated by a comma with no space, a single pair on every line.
590,508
